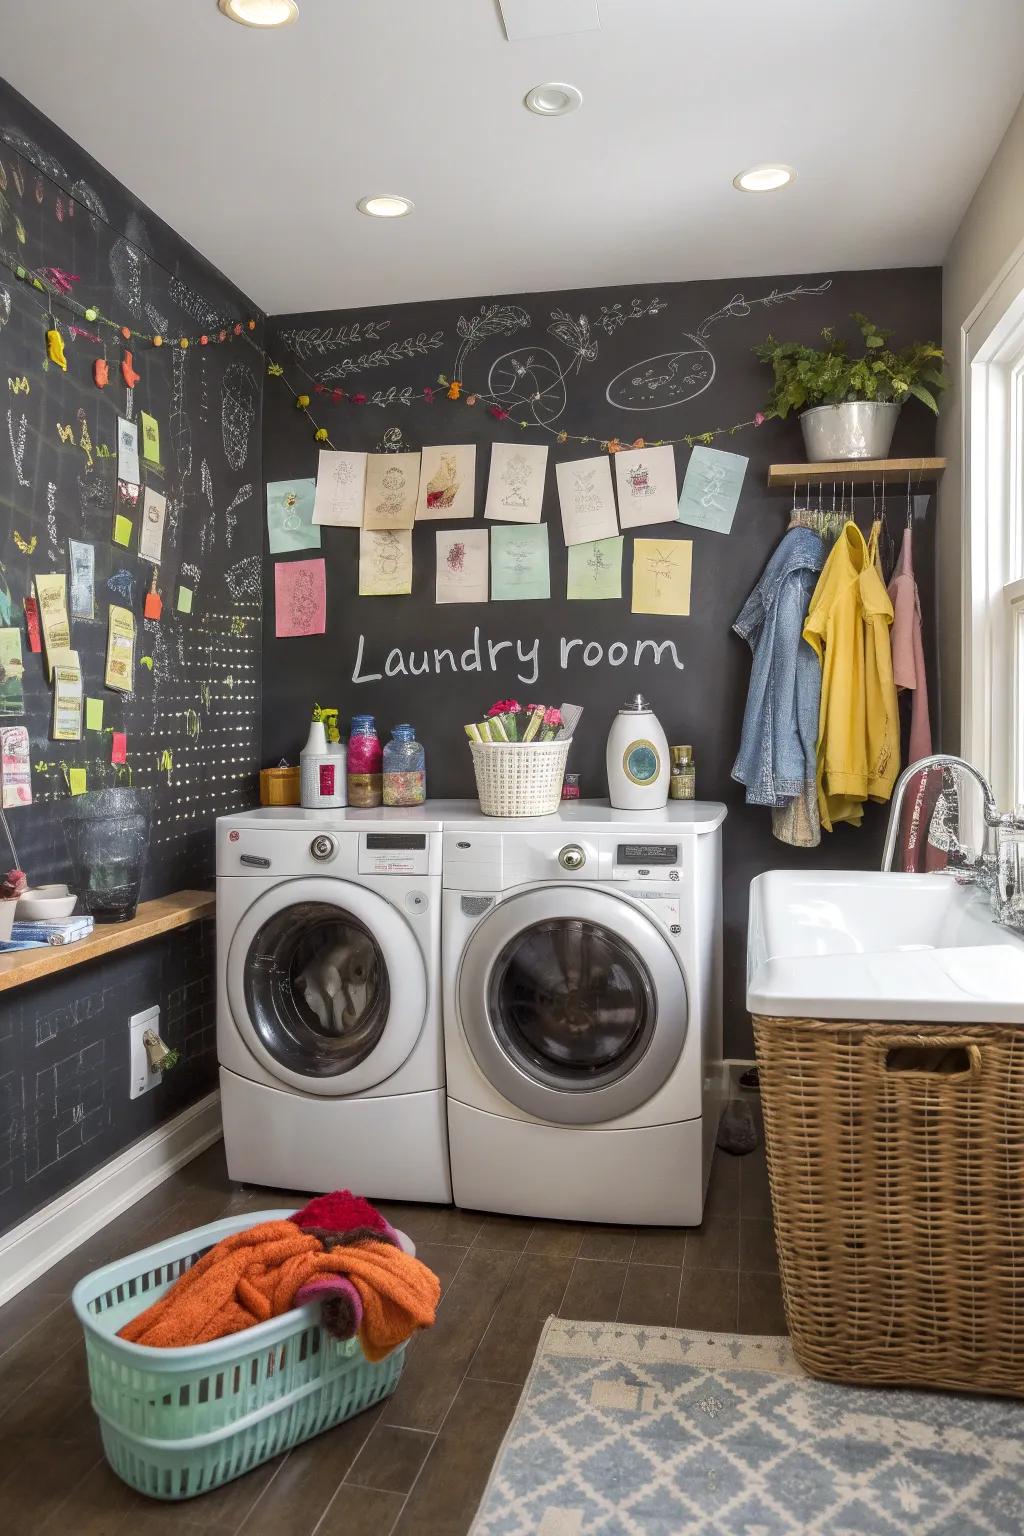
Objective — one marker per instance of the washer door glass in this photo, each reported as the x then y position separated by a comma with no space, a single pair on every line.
571,1003
316,989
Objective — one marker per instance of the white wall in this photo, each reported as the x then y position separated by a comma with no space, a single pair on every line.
990,236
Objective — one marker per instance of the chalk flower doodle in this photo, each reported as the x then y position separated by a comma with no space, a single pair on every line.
673,378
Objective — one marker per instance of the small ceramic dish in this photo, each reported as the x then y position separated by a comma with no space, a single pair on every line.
45,902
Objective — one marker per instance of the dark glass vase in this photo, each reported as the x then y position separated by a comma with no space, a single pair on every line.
107,833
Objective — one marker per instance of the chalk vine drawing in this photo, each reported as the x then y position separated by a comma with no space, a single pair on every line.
318,339
56,547
180,427
243,579
239,398
208,533
18,438
383,357
491,320
386,397
613,316
206,480
5,307
241,496
673,378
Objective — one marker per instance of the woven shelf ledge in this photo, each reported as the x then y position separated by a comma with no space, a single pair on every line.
857,472
20,966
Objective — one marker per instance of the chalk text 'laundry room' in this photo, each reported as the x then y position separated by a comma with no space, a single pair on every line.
522,656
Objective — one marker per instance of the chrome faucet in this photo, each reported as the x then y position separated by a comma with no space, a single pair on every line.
986,869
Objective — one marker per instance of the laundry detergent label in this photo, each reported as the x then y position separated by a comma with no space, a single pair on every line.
327,773
641,762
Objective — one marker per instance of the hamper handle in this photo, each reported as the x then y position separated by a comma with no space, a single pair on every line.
921,1057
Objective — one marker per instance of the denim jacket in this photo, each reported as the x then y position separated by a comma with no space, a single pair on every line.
778,743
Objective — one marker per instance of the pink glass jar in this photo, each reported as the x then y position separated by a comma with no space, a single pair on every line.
365,763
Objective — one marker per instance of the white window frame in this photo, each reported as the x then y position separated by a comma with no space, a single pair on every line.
992,370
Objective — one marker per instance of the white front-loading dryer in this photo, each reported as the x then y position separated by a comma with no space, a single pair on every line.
329,1031
582,994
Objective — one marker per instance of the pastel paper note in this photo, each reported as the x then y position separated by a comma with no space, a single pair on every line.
661,576
290,516
462,566
447,482
340,489
120,668
122,530
150,439
67,696
127,450
82,558
94,714
520,569
12,673
587,500
51,593
711,489
392,484
300,597
15,766
184,599
645,479
119,747
126,499
77,781
385,562
151,534
595,570
515,486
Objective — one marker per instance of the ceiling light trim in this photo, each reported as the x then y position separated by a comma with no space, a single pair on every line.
229,8
772,174
554,98
399,209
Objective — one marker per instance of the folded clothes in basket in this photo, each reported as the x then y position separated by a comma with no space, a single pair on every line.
258,1274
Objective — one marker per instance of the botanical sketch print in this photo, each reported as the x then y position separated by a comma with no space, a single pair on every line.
447,482
587,500
462,571
661,576
385,562
515,488
646,482
340,489
595,570
519,563
391,484
300,597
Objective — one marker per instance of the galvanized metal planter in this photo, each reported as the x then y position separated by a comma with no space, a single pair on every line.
856,429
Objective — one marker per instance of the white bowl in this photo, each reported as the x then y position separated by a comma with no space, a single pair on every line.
44,903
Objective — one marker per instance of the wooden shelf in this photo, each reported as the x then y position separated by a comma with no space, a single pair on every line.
857,472
19,966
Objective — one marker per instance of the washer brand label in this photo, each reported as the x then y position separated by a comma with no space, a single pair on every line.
393,864
641,762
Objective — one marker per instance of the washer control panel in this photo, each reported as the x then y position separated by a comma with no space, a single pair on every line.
393,853
647,861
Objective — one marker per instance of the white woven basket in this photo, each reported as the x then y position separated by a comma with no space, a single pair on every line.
519,778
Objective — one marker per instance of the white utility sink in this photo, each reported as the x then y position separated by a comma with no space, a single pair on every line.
860,945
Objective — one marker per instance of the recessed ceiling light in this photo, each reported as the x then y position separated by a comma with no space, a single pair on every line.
554,99
260,13
764,178
384,205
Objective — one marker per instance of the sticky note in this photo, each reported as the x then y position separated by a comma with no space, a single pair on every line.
122,530
119,747
94,714
77,780
184,599
150,438
153,606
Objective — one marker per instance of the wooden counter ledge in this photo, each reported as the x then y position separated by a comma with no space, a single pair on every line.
20,966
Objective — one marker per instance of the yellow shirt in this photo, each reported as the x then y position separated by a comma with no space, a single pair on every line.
858,726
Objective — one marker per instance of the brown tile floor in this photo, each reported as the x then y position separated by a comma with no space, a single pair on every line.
418,1462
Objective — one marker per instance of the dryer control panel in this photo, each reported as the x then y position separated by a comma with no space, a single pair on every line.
647,861
393,853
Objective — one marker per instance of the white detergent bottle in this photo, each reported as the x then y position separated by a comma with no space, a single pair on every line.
637,758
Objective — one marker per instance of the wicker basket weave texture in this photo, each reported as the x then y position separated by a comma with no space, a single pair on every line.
896,1161
519,779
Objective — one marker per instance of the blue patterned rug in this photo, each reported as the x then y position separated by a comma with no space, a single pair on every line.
629,1431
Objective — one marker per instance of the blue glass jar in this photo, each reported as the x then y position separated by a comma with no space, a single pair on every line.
405,768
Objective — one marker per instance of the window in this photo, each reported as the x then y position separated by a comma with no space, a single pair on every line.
993,682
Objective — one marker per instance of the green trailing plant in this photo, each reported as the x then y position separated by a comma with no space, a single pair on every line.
830,374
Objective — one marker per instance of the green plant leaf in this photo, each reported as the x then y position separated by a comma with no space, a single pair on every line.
925,396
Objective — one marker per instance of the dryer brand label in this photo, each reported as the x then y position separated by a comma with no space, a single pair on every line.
641,762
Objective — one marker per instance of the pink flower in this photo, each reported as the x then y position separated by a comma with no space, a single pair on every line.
497,412
428,395
553,717
357,399
759,418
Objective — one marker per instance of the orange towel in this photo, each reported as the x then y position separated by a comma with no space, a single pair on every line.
255,1274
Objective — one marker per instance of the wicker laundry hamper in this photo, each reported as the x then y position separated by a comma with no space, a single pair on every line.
896,1161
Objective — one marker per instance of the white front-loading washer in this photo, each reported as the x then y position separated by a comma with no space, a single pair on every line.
329,1032
583,1016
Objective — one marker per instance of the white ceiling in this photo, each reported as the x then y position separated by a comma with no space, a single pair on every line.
256,146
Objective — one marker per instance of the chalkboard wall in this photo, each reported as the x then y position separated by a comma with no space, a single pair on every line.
192,723
577,352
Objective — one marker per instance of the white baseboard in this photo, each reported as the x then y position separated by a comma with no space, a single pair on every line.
37,1243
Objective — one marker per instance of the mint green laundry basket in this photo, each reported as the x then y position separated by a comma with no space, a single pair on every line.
179,1422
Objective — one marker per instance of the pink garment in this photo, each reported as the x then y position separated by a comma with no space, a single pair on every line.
916,853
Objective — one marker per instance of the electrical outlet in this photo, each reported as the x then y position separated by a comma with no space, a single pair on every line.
142,1080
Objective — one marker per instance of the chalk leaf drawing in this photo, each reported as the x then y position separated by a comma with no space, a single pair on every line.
18,436
239,398
186,298
243,579
491,320
673,378
126,268
383,357
318,339
393,396
5,307
241,496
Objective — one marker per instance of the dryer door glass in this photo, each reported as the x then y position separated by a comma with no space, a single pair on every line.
316,989
572,1003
